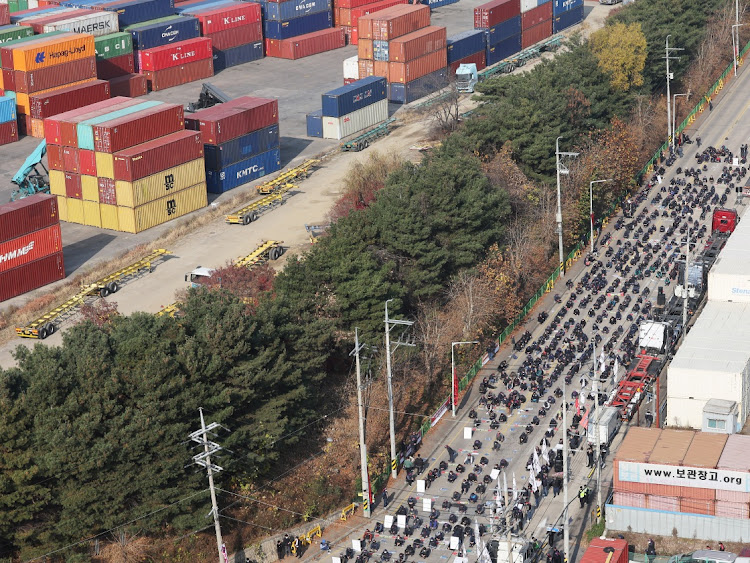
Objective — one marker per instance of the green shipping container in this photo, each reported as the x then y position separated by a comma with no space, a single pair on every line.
18,5
16,42
13,32
113,45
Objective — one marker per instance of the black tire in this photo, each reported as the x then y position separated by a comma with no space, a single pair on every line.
360,146
103,292
43,333
113,287
51,328
273,254
254,216
246,219
366,143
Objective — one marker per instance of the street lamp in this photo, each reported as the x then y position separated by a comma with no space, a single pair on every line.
561,169
591,207
674,116
735,43
453,373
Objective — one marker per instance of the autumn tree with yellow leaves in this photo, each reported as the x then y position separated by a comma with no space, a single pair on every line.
621,51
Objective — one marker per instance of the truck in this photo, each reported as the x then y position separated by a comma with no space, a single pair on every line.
607,422
522,550
655,337
198,276
466,78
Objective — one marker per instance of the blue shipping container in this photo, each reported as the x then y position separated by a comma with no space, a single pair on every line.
354,96
148,35
464,44
405,93
85,129
207,5
437,3
315,124
220,181
503,50
297,26
380,50
15,19
8,110
560,6
280,11
130,12
224,58
567,19
241,148
503,31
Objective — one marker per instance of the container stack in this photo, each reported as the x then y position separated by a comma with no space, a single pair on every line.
536,21
13,32
354,108
74,20
115,63
467,48
300,28
347,13
501,22
125,165
235,30
437,3
62,100
30,245
566,13
8,123
241,141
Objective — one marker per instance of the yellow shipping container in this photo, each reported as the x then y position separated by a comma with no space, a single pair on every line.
135,220
23,103
62,207
89,188
57,183
170,181
108,213
105,165
75,210
55,51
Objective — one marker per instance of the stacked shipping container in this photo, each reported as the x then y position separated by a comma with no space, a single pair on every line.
30,245
125,165
241,141
566,13
115,62
8,124
501,20
299,28
536,21
466,48
351,109
348,12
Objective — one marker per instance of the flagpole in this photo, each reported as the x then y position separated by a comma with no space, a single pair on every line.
507,520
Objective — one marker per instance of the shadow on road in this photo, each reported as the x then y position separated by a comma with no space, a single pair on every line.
78,253
291,147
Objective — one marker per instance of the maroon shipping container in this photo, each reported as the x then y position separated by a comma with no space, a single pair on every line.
130,85
24,125
107,191
417,68
479,59
306,45
352,3
136,128
394,21
37,24
350,16
73,185
70,159
69,127
232,119
54,76
226,17
27,215
170,77
54,157
536,34
4,14
492,13
116,66
30,247
9,79
87,162
149,158
176,54
66,99
31,276
249,33
52,125
6,53
537,15
413,45
8,132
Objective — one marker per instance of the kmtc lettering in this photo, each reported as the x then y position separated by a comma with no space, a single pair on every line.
249,170
8,256
234,19
180,56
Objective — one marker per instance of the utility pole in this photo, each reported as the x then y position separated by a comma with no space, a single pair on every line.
204,460
561,169
736,43
389,324
674,115
670,134
362,444
566,532
685,284
508,516
597,431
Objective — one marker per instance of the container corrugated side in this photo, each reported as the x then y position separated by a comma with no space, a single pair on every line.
105,165
6,48
115,67
417,68
226,17
108,214
241,148
416,44
359,94
350,16
564,20
27,215
85,131
140,127
536,34
231,120
306,45
91,214
72,185
164,31
13,32
732,509
560,6
629,499
57,182
225,58
107,191
314,123
75,211
89,188
736,454
503,49
38,23
250,33
131,12
695,506
97,24
30,247
239,173
48,78
53,52
7,109
31,276
352,3
135,220
503,30
53,126
154,156
536,15
155,186
54,157
637,445
657,502
494,12
732,496
23,100
404,19
297,26
175,54
705,450
479,59
113,45
131,85
406,93
176,75
340,127
290,9
66,99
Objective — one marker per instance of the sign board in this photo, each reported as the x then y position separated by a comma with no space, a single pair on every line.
454,543
401,520
427,504
467,432
442,409
357,545
696,477
388,522
420,486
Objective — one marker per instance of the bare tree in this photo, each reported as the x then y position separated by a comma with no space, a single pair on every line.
444,108
472,302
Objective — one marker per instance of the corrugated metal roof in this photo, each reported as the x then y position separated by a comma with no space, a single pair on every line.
671,446
637,444
705,450
735,256
736,454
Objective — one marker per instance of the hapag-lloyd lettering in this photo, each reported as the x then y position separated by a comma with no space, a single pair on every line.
67,52
17,253
181,56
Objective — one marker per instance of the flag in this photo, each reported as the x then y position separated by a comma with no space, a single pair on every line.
602,359
515,488
532,480
616,369
535,464
578,407
484,555
545,453
505,483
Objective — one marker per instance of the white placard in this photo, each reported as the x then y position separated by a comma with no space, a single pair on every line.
357,545
427,504
420,485
735,161
401,520
454,543
335,559
388,522
696,477
467,432
494,473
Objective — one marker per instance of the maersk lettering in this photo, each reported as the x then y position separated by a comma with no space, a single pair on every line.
181,56
8,256
234,19
91,27
249,170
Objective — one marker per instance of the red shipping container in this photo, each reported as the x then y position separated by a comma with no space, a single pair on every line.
134,129
352,37
27,215
52,126
366,68
6,53
232,119
537,15
350,16
479,59
54,76
394,21
176,75
30,247
413,45
149,158
237,36
380,68
31,276
73,185
66,99
8,132
536,34
70,159
417,68
226,17
306,45
116,66
492,13
9,79
351,3
130,85
107,191
176,54
54,157
4,14
69,128
365,49
87,162
37,24
348,81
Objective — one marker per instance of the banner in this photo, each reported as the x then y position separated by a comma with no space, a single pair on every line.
440,412
696,477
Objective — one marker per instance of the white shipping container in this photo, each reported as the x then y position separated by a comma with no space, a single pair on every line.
351,68
33,4
340,127
725,286
527,5
98,24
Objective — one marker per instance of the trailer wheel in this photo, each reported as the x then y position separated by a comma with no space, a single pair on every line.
365,143
254,216
113,287
246,219
51,328
103,292
42,333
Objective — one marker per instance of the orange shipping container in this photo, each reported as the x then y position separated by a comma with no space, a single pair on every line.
697,493
394,22
417,68
364,49
671,447
413,45
366,68
381,68
705,450
695,506
53,52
